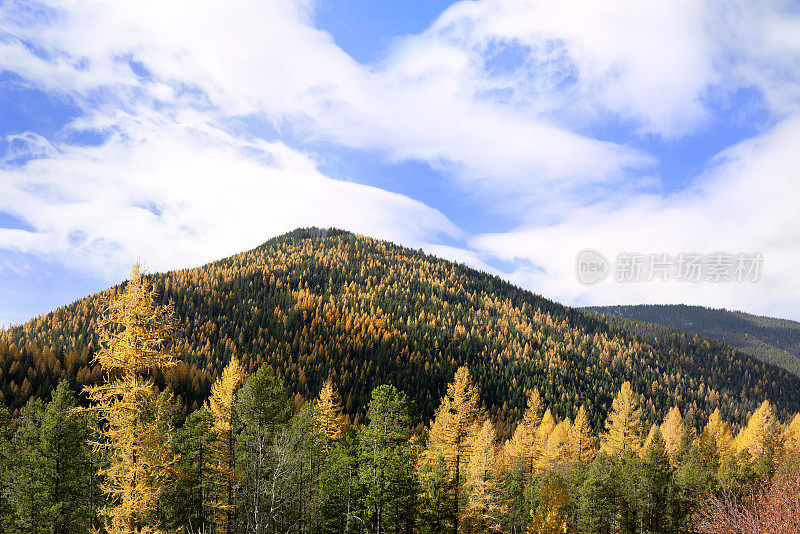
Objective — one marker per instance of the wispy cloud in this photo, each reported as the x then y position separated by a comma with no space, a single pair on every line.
182,192
745,203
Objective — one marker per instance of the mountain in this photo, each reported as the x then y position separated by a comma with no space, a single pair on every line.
772,340
317,303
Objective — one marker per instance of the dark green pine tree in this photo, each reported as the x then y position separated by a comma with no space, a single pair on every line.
597,507
266,451
629,497
436,506
341,493
50,481
655,484
7,455
691,479
184,501
387,463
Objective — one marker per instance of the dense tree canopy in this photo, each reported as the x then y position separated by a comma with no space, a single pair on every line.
316,304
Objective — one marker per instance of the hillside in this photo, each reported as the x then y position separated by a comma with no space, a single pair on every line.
315,303
772,340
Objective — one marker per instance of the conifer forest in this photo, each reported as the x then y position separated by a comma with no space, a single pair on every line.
332,383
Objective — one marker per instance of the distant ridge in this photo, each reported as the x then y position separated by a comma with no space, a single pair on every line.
776,341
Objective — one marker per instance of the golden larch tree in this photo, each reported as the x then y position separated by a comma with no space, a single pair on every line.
546,427
791,437
222,464
759,428
672,430
520,450
482,479
328,413
556,449
651,435
551,516
582,442
452,434
624,425
134,335
718,432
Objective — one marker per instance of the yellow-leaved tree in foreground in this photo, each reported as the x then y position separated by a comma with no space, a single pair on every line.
226,480
452,435
135,332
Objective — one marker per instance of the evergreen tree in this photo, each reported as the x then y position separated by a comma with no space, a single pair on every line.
341,494
436,493
691,478
28,489
655,487
264,410
597,506
628,492
186,500
387,463
299,461
49,480
64,437
8,455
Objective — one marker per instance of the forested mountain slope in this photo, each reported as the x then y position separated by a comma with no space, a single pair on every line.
776,341
316,303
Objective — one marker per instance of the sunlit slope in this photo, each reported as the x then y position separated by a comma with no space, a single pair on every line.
314,303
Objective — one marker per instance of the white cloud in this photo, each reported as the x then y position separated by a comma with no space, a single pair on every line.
503,97
496,92
660,65
746,203
184,193
424,102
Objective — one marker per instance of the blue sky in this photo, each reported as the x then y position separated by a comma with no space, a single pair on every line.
509,135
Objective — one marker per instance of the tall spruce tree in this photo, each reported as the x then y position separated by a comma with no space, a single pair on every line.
186,500
387,463
8,455
655,487
264,410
